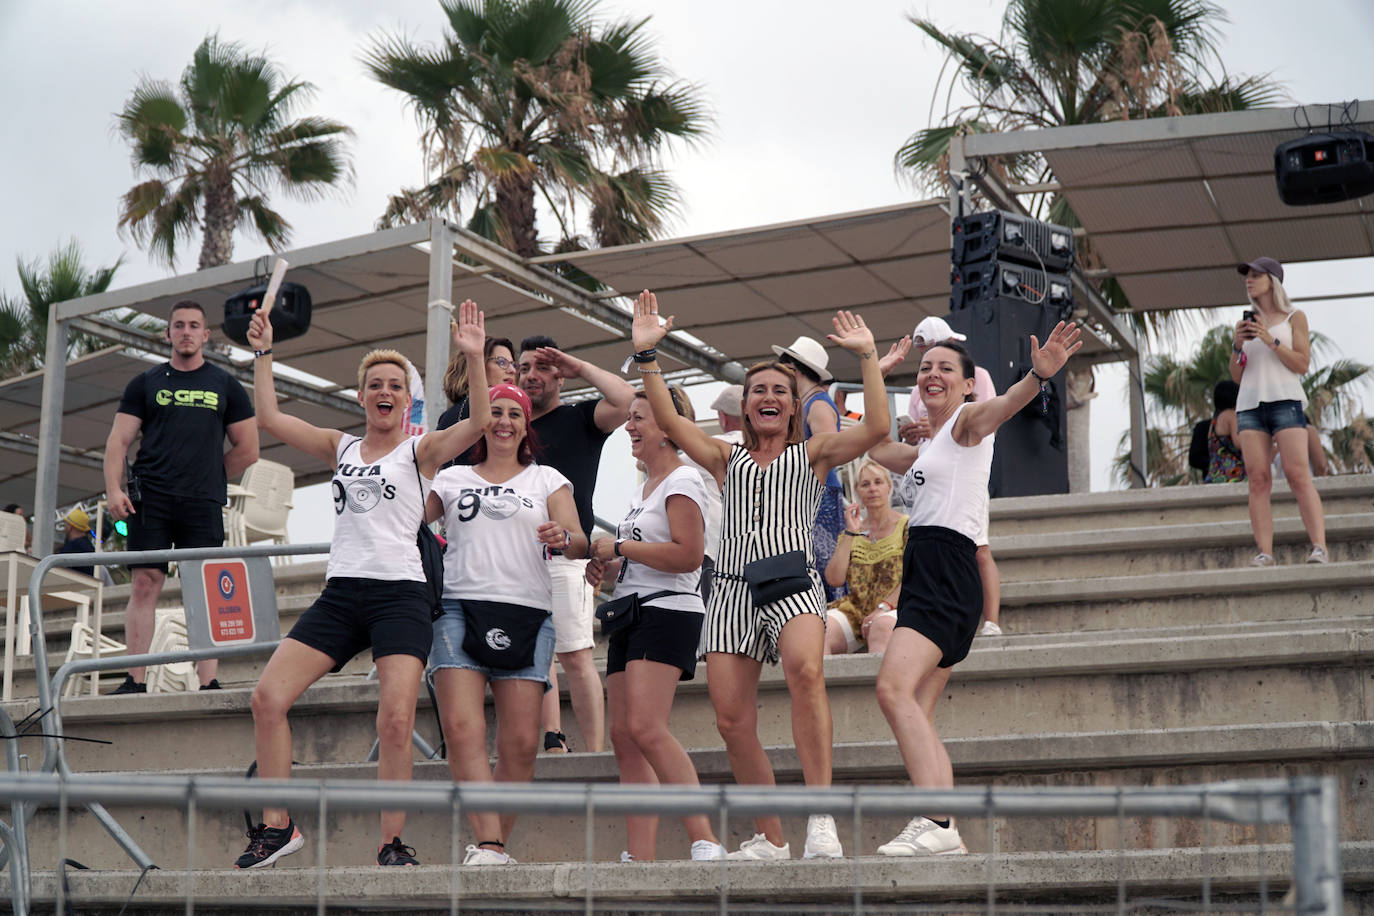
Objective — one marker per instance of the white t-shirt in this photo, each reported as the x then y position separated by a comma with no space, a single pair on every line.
648,521
494,552
713,506
377,507
947,486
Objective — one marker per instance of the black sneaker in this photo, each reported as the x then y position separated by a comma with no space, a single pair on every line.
130,686
556,743
396,853
213,685
268,844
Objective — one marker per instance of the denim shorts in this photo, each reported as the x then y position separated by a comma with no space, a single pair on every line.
1272,416
447,651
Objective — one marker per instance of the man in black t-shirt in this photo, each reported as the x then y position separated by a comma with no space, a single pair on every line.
570,437
175,495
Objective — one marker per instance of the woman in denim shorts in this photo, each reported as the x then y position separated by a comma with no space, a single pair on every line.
1271,351
504,516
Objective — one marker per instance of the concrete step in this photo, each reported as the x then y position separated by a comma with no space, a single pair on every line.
1225,675
1171,549
1346,494
961,884
1305,592
1163,757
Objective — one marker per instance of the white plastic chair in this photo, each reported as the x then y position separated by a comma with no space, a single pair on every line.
259,505
169,635
13,530
82,645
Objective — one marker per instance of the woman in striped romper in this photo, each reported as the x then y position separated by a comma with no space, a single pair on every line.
772,486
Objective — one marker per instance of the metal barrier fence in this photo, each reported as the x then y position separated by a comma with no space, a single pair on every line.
1307,805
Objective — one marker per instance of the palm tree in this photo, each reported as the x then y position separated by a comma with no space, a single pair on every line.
1179,393
24,319
529,100
215,145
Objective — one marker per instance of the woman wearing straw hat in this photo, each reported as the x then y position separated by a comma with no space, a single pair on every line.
819,414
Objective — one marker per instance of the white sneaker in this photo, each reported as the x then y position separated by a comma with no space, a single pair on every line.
989,629
625,856
758,848
1318,555
707,851
1262,559
476,855
924,837
822,842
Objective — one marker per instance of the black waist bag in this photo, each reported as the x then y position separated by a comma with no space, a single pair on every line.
499,635
620,614
775,578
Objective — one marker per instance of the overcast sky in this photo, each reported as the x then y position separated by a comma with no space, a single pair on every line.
811,99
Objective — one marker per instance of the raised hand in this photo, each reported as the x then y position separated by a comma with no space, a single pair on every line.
260,331
853,519
895,354
647,330
470,330
567,366
1062,343
851,333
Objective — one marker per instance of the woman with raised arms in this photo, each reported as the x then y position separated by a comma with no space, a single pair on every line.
375,593
771,488
941,599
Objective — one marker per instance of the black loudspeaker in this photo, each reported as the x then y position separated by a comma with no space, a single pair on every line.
994,280
1031,456
1324,168
1012,237
290,314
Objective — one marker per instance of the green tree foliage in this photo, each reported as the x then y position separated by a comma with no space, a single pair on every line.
536,100
215,145
24,318
1178,393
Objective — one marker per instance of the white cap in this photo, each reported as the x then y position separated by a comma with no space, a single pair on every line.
730,401
809,352
934,330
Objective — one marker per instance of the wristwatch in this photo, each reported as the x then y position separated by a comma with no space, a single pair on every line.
884,607
618,542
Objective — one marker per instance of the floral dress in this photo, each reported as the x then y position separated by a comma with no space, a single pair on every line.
1224,463
875,569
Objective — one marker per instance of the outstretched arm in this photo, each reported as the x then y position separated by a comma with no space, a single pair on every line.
827,450
616,394
710,453
979,420
897,457
442,445
295,432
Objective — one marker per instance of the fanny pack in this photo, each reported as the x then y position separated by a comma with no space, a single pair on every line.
775,578
620,615
500,635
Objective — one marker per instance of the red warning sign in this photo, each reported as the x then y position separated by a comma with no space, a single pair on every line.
231,610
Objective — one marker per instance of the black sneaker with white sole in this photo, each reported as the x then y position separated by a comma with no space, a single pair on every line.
396,853
268,844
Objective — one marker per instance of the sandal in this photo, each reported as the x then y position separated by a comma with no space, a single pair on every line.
556,743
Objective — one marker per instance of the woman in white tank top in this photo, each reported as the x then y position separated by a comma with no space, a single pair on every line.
374,591
1269,356
941,600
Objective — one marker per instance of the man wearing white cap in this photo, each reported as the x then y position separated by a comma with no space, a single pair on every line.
819,414
930,331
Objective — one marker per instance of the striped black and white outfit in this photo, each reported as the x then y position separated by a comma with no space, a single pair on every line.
767,511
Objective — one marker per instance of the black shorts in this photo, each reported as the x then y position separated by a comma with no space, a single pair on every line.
942,592
161,522
670,637
351,614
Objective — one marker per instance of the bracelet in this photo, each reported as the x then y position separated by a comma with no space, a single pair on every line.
1236,349
646,356
267,352
567,538
643,371
1039,378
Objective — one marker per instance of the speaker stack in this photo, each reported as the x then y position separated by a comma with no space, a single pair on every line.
1010,279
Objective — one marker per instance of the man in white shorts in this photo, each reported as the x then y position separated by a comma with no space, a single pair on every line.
569,438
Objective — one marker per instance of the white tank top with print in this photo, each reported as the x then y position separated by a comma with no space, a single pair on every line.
377,510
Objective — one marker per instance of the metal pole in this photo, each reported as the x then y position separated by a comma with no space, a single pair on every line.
1135,395
50,436
1316,845
437,317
